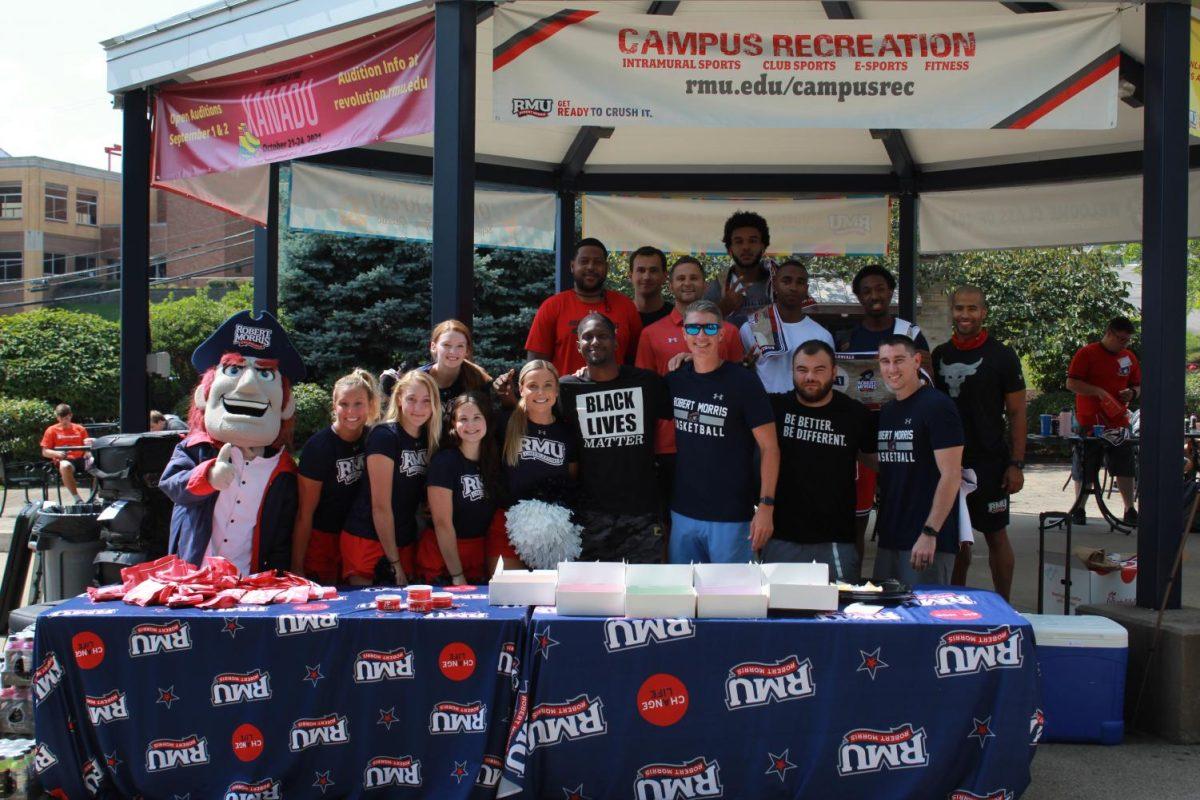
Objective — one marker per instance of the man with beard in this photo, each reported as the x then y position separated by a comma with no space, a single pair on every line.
983,377
552,337
615,408
772,334
822,435
745,285
648,274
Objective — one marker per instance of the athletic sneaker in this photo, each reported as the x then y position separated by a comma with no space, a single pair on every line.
1078,518
1130,517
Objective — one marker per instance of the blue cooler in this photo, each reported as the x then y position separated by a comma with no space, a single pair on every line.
1083,662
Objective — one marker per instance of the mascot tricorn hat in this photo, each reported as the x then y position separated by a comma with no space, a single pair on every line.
256,337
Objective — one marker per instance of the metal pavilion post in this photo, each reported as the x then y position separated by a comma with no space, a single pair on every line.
908,255
1164,284
453,160
564,238
135,262
266,251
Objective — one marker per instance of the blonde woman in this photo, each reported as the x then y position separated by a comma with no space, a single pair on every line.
331,465
379,539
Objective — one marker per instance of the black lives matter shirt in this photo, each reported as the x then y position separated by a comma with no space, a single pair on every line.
910,430
545,457
819,450
715,415
473,508
338,466
410,461
977,380
615,421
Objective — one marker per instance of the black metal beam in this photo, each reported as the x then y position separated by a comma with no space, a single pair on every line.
866,183
453,161
1164,293
422,166
1030,173
135,262
1130,69
663,7
266,251
908,256
837,10
564,239
578,153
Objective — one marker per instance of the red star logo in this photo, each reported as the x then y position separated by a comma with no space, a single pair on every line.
313,674
981,729
387,717
574,794
323,780
871,662
167,696
111,761
459,772
544,642
231,627
780,764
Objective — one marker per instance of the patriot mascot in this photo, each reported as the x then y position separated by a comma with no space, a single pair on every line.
232,479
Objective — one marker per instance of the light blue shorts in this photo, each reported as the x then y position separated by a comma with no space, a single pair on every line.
700,542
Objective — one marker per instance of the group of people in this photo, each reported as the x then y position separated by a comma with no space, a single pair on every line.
708,430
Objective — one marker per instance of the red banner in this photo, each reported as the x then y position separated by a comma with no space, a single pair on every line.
377,88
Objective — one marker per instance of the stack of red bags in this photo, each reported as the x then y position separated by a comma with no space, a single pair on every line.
172,582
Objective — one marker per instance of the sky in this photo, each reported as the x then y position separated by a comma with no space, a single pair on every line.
54,74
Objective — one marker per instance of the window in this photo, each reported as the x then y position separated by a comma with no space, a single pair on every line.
54,263
86,202
158,270
84,263
10,265
10,201
56,202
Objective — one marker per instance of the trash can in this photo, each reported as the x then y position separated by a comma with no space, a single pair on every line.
67,538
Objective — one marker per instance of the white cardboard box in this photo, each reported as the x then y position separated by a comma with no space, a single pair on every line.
800,587
659,591
522,587
1086,586
730,590
591,589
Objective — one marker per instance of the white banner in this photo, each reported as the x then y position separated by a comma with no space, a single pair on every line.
1092,212
824,226
328,200
1052,70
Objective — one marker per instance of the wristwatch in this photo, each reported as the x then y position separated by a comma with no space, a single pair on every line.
928,531
1017,464
766,500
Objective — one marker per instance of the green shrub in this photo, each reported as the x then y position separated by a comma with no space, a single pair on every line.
1191,392
22,423
312,411
1047,403
58,356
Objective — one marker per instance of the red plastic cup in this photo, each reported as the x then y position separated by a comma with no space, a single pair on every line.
443,600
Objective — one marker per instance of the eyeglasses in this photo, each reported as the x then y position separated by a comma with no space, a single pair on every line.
709,328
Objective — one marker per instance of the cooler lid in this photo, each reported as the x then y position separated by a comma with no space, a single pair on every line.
1057,630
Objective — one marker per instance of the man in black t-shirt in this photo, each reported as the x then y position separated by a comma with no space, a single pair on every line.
614,407
920,446
983,377
822,435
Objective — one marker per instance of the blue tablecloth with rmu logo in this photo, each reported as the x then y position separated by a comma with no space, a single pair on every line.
934,699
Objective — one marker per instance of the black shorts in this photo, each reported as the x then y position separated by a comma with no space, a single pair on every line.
1119,461
80,465
635,538
988,504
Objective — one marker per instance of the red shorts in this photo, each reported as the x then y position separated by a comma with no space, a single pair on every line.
431,567
323,558
359,556
498,545
864,489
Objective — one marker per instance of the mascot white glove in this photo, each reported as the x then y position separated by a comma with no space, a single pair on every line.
221,474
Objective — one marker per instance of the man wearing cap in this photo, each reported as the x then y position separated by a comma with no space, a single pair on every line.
231,479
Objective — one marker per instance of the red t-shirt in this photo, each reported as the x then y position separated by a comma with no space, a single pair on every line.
59,437
662,341
553,329
1112,372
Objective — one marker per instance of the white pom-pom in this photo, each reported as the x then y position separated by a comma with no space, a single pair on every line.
543,534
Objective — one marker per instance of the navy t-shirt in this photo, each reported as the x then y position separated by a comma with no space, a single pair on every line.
546,453
861,340
410,460
910,430
338,466
473,508
715,414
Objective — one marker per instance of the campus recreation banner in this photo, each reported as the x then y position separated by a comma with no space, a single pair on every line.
819,226
376,88
1088,212
328,200
1052,70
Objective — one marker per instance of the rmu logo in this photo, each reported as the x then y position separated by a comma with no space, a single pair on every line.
850,223
626,634
696,778
147,640
387,771
43,759
263,790
969,652
373,666
945,599
1037,723
92,776
963,794
489,772
551,723
548,451
865,750
539,107
757,684
47,677
250,336
866,381
164,754
293,624
509,664
241,687
107,707
518,735
448,717
413,462
311,731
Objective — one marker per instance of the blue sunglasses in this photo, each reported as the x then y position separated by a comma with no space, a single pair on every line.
694,328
